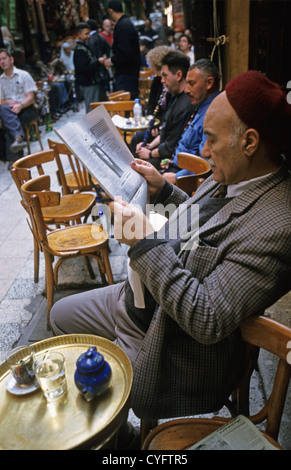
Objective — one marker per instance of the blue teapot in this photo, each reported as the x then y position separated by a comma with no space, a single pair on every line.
93,374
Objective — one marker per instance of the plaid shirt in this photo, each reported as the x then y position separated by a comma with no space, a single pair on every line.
191,357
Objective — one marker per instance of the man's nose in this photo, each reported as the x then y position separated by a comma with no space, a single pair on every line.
205,153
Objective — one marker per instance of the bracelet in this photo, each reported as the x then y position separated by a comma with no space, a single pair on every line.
150,154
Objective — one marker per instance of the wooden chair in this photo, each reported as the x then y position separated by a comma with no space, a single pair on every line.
145,73
122,108
119,96
190,183
73,208
64,243
78,178
144,85
258,332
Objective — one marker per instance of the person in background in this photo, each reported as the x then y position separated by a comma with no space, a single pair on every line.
185,47
171,39
147,32
8,40
144,47
163,31
99,48
87,67
67,57
17,92
158,97
107,32
202,87
125,51
174,69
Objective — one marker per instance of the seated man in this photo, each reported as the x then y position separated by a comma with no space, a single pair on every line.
16,107
202,87
185,344
174,69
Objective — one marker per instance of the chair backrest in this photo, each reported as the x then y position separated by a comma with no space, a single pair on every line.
79,177
145,73
198,165
202,169
36,194
144,85
268,334
119,96
35,160
122,108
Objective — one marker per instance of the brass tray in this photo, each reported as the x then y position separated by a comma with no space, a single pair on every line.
28,423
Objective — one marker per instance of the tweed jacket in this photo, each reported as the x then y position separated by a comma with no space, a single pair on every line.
191,356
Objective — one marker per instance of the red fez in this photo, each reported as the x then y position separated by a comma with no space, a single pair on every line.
260,103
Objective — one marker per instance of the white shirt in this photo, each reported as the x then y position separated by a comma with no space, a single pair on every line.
17,86
238,188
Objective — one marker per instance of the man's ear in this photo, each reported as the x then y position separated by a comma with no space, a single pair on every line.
210,83
250,141
179,75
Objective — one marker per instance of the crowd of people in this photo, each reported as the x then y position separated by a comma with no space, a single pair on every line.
98,60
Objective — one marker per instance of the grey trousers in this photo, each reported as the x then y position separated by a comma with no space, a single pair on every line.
99,312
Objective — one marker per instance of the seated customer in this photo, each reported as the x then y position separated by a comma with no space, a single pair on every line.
185,343
202,87
16,107
174,69
157,92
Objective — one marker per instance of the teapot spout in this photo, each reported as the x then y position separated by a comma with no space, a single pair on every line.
88,393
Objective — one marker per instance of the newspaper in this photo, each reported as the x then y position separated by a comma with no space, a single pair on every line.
238,434
97,143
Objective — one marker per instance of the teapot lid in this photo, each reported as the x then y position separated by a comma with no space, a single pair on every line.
90,361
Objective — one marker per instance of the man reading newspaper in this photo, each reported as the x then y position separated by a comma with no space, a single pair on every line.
185,345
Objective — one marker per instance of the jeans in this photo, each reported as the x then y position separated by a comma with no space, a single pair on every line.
91,95
13,124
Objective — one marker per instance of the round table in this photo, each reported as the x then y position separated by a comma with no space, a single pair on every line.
28,422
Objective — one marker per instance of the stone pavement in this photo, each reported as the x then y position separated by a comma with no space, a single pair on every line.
23,304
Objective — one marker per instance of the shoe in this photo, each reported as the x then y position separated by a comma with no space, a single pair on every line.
18,144
10,164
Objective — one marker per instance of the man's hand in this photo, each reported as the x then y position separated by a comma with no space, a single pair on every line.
130,223
16,107
143,152
150,173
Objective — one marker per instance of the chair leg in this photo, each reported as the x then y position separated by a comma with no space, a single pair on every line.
146,426
107,265
49,284
38,134
26,131
36,261
89,267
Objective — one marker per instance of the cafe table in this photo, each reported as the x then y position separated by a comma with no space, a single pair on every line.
28,422
128,125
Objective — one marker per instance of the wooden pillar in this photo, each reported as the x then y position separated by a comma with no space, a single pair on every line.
237,26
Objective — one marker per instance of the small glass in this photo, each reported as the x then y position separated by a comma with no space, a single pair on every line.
20,361
51,375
